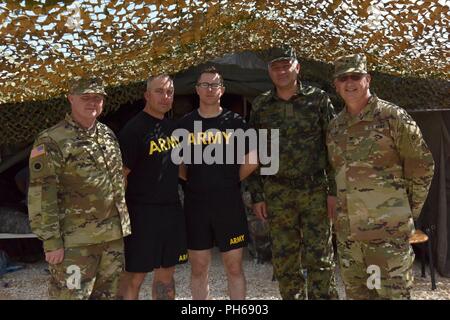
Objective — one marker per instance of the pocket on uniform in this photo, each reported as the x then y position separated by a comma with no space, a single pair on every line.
359,148
270,119
370,140
83,161
400,261
35,199
307,125
379,214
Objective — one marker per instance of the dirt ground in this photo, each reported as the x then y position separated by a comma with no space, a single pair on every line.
31,283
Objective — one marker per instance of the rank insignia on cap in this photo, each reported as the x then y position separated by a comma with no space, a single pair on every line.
38,151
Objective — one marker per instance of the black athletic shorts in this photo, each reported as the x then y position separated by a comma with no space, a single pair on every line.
215,218
158,237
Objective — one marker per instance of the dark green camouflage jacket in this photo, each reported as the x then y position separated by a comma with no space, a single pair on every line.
302,122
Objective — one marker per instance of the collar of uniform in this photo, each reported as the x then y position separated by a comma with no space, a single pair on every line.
366,114
300,91
89,132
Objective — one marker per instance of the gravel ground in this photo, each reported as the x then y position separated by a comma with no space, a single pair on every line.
31,283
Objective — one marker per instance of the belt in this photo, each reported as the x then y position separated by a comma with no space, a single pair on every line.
301,182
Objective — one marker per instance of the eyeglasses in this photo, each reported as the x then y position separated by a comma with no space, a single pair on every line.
354,77
206,85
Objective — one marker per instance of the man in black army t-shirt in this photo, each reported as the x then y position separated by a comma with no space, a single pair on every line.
213,203
158,240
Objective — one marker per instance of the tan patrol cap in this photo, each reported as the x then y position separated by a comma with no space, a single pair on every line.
354,63
83,85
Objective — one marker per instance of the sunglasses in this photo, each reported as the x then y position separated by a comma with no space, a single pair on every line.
354,77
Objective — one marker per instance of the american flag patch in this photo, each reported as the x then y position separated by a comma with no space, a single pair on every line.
39,150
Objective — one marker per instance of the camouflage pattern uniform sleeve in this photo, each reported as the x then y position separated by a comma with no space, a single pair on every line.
328,113
254,181
43,208
418,164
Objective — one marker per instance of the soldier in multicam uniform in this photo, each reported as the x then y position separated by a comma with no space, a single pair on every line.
300,195
383,171
76,199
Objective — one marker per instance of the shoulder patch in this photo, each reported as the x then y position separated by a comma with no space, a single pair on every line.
37,166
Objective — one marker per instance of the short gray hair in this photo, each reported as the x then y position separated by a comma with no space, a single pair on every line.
151,78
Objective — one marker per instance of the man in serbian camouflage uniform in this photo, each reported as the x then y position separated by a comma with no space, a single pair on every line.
383,172
76,199
300,194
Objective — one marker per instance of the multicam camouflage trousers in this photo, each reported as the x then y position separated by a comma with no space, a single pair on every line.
302,250
90,272
376,269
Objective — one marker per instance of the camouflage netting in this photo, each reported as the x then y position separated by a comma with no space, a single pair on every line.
44,43
21,122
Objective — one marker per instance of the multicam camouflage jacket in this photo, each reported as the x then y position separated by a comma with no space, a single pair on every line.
302,122
76,195
383,171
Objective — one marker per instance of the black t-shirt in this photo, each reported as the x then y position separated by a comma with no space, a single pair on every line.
146,143
215,133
